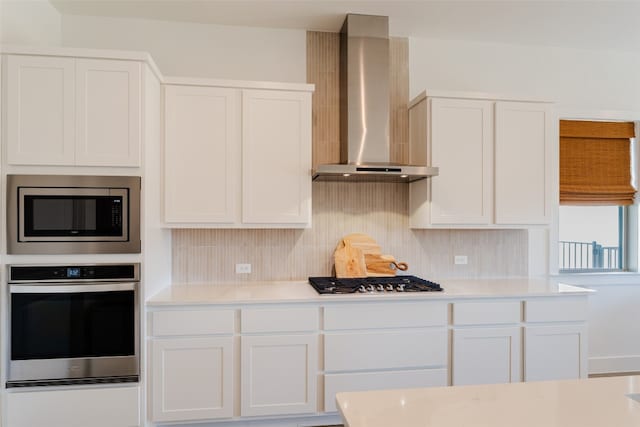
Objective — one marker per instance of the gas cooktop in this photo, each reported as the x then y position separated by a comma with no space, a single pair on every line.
372,285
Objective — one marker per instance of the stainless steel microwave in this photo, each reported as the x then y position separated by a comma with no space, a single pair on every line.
73,214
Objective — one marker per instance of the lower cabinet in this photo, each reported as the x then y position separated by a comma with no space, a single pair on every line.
486,355
267,360
192,378
555,352
279,374
373,346
115,406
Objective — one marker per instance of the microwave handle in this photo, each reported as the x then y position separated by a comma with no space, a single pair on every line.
62,288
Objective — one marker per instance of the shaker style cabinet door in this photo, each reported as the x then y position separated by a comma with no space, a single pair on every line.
486,355
40,110
279,374
72,111
461,145
108,131
555,352
201,154
523,176
276,157
191,378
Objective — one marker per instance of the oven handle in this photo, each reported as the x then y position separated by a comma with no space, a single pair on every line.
41,288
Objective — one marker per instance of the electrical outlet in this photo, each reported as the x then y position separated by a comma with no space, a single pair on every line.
460,260
243,268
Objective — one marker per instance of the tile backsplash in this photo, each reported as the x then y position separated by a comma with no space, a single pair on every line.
378,209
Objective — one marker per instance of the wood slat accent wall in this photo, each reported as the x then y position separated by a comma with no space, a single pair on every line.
323,69
399,100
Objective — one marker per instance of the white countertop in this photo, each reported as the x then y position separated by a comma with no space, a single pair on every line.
301,291
596,402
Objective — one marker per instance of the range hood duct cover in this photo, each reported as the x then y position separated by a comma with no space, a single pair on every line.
364,107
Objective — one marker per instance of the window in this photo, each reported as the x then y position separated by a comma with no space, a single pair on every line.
591,238
595,190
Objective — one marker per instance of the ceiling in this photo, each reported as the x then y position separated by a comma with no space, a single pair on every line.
600,24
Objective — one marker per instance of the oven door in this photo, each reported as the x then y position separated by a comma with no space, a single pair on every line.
73,214
73,333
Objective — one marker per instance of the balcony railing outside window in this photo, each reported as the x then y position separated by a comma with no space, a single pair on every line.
576,256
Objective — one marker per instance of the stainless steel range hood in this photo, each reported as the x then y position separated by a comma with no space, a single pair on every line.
364,107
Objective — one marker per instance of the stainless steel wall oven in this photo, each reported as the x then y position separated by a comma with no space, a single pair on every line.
73,324
73,214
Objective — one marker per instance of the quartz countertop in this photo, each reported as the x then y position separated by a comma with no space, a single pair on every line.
301,291
595,402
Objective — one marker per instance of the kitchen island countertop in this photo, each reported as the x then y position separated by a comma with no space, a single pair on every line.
595,402
301,291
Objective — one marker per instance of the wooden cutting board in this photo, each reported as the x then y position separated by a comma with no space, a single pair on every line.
359,255
364,242
383,265
349,261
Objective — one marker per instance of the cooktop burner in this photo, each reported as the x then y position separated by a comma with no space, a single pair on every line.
372,285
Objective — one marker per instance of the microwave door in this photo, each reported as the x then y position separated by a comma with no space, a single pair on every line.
73,214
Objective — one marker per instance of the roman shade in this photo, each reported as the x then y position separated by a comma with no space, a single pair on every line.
595,163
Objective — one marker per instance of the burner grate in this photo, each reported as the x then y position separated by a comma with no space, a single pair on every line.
333,285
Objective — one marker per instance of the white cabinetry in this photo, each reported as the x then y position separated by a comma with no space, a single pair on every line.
494,157
486,342
201,152
236,156
191,376
279,368
114,406
380,346
73,111
555,340
276,157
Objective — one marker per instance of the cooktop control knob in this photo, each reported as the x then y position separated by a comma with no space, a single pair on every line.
371,288
380,288
390,287
400,287
362,289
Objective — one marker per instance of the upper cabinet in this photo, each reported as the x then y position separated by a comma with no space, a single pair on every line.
495,160
73,111
237,156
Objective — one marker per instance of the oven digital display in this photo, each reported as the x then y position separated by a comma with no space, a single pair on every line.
73,272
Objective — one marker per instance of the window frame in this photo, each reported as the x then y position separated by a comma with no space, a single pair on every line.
631,239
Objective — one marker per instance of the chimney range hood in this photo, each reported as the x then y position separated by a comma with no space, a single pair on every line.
364,107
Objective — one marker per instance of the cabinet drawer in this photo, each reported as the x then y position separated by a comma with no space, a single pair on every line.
279,320
192,322
387,315
364,381
486,313
558,309
385,350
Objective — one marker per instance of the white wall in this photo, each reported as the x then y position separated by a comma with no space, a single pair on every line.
29,22
574,78
197,50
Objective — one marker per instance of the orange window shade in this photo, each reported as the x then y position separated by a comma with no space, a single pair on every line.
595,163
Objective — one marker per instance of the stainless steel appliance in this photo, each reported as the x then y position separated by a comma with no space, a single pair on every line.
73,324
73,214
364,107
372,285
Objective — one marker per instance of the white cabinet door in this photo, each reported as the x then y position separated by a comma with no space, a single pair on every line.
523,176
276,157
191,378
279,374
108,113
40,110
462,147
555,352
486,355
201,154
